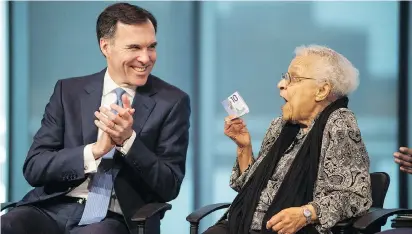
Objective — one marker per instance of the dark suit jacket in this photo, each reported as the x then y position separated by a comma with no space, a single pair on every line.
154,167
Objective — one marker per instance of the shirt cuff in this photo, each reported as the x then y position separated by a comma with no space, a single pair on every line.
89,161
127,144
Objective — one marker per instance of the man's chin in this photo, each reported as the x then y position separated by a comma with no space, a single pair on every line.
139,80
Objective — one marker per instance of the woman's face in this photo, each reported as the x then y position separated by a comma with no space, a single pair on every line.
299,88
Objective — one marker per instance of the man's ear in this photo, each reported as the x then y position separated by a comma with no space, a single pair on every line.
104,46
323,91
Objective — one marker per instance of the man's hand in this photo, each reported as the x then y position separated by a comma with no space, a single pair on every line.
404,159
103,145
118,126
289,221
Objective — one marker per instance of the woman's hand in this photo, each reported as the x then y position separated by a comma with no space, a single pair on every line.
237,131
288,221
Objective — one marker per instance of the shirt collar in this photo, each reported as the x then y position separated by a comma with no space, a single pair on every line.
109,85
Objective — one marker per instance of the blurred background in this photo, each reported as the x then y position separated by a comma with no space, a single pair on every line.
210,50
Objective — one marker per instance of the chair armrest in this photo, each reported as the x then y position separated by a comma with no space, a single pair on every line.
6,205
402,221
369,219
150,210
200,213
345,223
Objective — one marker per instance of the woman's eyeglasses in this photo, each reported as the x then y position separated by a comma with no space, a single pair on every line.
293,79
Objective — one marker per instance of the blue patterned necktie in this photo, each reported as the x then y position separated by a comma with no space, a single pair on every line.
101,183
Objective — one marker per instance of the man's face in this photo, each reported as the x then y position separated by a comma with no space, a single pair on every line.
131,53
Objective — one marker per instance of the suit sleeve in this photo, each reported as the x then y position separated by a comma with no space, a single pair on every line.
164,169
47,160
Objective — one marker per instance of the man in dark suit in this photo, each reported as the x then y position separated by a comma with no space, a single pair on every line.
110,142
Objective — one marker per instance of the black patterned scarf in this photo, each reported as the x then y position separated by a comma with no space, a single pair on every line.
298,185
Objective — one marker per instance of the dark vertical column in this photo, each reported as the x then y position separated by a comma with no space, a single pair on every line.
195,99
403,94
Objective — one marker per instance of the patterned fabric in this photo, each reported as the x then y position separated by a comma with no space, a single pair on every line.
343,188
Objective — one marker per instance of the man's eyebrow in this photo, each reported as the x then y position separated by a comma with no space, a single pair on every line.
134,46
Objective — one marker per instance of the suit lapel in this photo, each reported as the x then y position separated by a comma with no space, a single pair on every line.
143,103
143,106
90,102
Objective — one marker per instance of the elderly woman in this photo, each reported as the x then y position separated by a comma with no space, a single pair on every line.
312,170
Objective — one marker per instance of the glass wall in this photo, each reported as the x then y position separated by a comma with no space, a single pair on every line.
243,46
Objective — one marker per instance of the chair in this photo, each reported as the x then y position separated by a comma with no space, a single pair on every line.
380,184
377,216
152,212
402,221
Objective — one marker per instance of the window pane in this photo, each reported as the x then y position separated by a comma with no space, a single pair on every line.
249,45
410,99
74,51
3,101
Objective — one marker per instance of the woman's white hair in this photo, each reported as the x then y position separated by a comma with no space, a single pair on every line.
334,68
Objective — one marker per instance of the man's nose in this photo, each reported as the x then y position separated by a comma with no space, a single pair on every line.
143,57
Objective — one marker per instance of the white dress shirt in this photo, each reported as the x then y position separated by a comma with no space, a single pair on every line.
90,164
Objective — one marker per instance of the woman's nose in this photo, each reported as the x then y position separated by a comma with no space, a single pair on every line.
282,84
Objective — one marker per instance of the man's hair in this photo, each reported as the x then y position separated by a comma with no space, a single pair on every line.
334,68
124,13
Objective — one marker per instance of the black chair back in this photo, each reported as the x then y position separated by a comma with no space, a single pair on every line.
380,183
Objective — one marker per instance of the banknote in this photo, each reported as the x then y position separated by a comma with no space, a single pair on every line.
235,105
